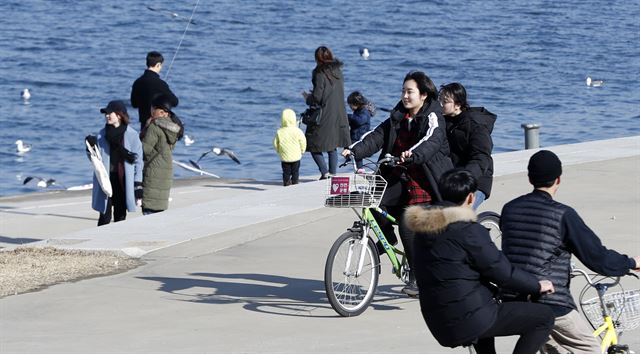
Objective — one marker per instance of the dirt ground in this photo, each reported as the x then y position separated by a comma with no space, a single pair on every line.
28,269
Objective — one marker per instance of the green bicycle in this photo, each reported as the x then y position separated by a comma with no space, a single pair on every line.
353,267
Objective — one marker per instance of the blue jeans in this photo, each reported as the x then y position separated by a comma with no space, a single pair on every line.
322,166
480,197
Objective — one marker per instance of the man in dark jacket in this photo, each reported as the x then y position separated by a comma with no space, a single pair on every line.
455,264
415,130
149,86
539,235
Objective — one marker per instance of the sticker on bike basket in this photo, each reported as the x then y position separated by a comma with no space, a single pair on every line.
339,185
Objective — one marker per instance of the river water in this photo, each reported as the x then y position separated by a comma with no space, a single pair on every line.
242,62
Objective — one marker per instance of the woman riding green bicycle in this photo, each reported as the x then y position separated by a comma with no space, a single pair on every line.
414,129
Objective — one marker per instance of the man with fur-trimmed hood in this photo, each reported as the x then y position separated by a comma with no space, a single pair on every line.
456,264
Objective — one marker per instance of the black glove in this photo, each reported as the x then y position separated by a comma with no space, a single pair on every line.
130,157
91,139
137,190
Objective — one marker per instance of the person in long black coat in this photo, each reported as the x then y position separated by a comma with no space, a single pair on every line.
332,131
469,135
149,86
456,262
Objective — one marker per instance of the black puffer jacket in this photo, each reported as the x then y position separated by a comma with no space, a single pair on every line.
328,92
145,89
469,135
455,260
432,151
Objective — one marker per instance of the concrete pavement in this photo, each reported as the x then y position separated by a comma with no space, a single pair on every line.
249,279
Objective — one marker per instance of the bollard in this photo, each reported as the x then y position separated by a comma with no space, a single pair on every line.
531,135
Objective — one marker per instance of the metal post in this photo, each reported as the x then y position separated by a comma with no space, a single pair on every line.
531,135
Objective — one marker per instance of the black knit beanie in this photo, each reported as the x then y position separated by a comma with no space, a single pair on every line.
544,166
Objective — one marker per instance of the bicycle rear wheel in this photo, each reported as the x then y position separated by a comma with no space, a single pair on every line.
491,221
350,293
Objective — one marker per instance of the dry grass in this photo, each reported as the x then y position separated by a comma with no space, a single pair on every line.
27,269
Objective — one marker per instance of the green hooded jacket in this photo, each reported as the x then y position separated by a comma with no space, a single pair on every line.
158,143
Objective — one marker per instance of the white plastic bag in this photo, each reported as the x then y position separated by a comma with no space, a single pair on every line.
100,171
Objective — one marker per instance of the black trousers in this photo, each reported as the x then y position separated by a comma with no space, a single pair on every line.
117,202
290,172
533,322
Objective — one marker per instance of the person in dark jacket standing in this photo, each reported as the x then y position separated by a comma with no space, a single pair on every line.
149,86
539,235
360,119
414,129
469,135
455,261
333,129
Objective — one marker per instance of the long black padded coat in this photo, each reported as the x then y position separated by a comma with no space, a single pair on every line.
454,261
469,136
328,92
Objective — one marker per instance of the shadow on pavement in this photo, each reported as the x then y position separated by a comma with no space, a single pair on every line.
272,294
18,241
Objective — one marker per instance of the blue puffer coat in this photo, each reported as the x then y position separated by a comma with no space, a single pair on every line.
359,123
132,172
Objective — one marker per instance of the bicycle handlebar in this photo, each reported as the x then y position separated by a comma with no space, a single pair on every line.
589,279
387,160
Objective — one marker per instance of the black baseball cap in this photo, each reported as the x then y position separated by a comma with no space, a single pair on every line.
114,106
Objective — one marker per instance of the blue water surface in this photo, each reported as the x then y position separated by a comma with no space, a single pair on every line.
242,62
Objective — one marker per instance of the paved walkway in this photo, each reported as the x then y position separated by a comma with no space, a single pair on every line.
250,278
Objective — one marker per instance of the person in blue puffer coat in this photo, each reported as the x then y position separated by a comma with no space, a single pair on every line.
360,119
121,152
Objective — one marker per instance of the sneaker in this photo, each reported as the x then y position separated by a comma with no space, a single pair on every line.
361,171
324,176
411,289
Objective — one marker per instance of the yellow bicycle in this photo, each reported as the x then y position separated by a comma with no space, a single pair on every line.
609,314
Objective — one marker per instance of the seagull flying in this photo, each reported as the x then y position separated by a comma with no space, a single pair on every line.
188,141
218,151
171,14
26,95
22,147
593,83
364,53
42,183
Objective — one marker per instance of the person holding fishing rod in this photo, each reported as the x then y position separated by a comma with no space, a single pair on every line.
149,86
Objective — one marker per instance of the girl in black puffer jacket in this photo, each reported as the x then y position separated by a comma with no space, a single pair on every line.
469,135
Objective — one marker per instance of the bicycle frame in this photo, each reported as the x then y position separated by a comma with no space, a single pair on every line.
610,337
369,222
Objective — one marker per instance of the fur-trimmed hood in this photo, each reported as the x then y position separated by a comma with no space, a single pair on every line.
434,220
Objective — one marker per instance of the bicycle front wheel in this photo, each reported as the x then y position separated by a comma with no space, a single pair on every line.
491,221
350,288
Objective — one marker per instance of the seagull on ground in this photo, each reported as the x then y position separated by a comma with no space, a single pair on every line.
26,95
42,183
593,83
218,151
22,147
188,141
364,53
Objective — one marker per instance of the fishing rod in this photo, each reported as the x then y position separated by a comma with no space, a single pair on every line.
166,76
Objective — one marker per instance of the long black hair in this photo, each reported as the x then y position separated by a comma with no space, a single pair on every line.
457,93
425,85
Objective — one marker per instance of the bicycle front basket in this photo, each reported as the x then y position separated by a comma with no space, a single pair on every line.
360,190
624,308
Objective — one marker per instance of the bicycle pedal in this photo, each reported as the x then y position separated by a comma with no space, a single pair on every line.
618,349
